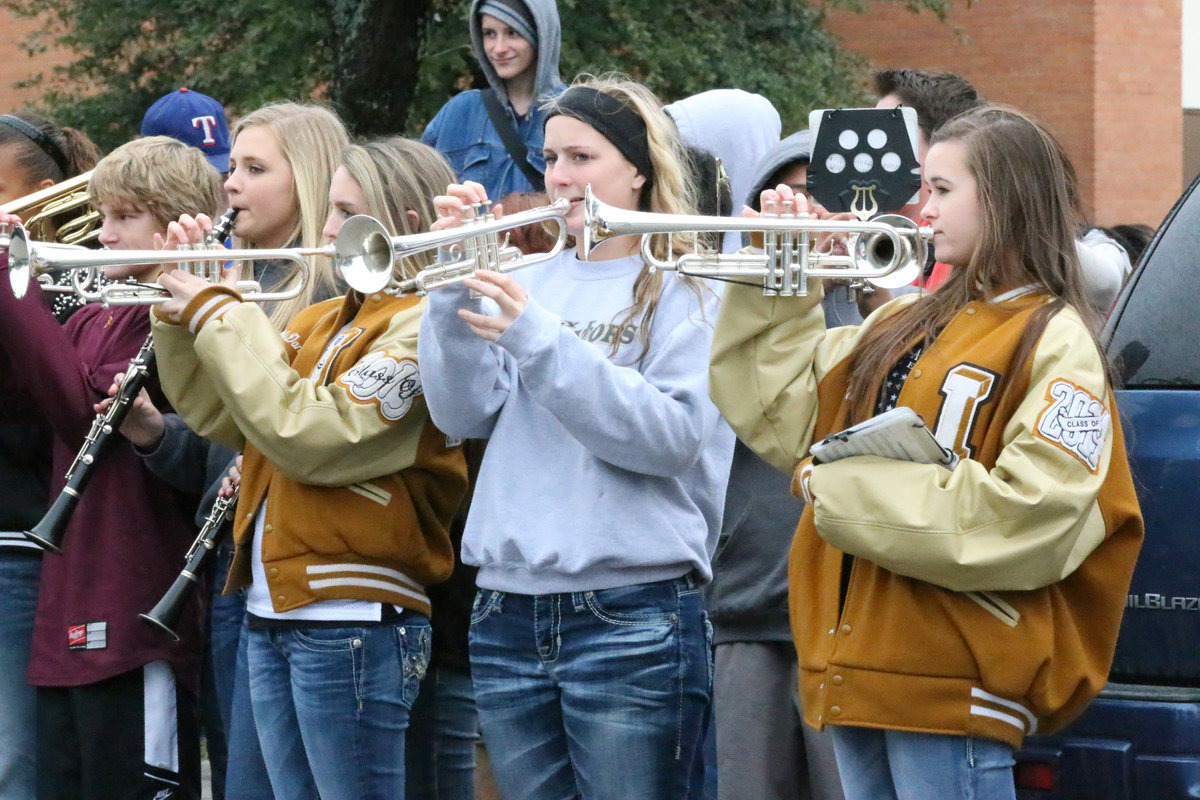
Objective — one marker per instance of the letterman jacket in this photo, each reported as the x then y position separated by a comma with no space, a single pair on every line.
983,601
360,486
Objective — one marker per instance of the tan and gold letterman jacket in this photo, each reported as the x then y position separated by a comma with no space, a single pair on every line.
361,485
983,601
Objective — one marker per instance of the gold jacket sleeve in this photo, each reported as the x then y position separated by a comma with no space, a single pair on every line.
768,355
314,433
191,390
1026,523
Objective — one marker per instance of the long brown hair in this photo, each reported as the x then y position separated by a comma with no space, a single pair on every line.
1028,199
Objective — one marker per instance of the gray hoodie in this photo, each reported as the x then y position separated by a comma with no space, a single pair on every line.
735,126
549,34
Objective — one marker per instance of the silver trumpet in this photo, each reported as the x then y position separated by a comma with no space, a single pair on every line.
889,250
355,251
474,245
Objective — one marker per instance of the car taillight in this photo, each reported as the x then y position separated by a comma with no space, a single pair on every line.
1035,775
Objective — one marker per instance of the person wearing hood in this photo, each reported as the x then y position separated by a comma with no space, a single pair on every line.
737,127
764,750
494,136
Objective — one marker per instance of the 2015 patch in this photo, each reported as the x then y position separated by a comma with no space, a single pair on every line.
1075,420
389,382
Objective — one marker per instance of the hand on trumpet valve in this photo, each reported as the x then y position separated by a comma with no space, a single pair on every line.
143,425
462,202
230,482
509,295
186,233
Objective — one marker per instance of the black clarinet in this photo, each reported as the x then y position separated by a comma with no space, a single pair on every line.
48,533
165,614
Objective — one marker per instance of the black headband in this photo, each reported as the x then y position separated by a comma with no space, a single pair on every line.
614,120
44,142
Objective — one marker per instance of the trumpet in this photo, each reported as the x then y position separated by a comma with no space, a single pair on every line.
355,251
890,249
477,242
166,612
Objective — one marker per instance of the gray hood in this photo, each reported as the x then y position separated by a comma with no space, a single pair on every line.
549,33
735,126
793,148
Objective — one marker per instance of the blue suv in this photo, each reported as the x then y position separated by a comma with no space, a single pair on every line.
1140,740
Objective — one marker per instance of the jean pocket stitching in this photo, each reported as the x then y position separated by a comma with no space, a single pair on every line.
486,608
327,645
617,618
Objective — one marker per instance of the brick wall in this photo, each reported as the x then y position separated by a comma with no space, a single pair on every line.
16,65
1104,75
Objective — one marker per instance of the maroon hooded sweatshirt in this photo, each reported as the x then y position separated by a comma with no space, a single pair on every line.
126,541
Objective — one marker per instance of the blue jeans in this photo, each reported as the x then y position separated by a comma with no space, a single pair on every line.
245,771
18,733
442,733
332,704
899,765
597,694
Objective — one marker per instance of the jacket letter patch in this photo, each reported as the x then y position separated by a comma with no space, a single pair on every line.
1076,421
390,383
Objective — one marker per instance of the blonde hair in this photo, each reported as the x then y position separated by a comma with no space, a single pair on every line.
164,175
671,190
399,175
311,138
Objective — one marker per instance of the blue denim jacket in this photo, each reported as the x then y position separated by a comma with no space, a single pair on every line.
462,132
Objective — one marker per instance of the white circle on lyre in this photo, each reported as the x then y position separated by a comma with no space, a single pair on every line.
877,139
863,162
890,162
835,163
848,140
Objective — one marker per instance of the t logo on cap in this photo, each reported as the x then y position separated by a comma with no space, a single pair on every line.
208,122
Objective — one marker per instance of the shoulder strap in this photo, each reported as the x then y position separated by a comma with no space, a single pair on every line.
516,148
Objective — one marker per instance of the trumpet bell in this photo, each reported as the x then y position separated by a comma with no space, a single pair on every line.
19,270
363,254
879,251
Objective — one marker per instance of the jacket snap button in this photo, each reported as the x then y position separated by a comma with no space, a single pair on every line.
846,630
822,686
281,598
836,711
831,631
274,571
836,680
267,527
916,373
970,311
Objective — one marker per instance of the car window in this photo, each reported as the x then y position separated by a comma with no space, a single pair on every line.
1156,334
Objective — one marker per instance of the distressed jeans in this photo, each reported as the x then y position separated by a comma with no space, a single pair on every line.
331,706
599,694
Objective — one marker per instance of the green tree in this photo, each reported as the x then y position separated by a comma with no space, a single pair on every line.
388,65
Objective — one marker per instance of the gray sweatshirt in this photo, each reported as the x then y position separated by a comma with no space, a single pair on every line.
599,471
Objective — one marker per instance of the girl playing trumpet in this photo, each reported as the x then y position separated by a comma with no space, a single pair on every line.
347,491
941,615
599,497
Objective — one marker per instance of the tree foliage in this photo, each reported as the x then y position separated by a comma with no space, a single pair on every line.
387,65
